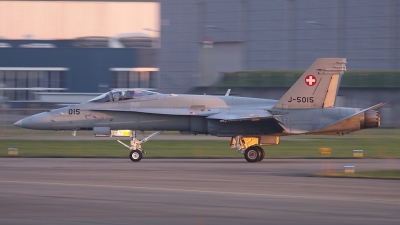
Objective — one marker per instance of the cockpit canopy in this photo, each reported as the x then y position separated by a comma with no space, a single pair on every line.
121,95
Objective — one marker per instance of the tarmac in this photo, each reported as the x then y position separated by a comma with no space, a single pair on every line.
194,191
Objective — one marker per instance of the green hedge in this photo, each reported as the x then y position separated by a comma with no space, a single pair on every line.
286,78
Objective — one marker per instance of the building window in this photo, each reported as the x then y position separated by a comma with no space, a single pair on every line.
19,83
133,77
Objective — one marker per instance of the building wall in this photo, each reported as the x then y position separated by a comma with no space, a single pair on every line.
88,68
273,34
277,34
178,57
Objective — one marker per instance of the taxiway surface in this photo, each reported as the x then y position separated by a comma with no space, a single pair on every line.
182,191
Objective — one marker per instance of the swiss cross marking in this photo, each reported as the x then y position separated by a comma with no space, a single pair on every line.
311,80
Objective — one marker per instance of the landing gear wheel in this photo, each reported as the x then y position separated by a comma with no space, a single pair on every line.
262,155
252,154
135,155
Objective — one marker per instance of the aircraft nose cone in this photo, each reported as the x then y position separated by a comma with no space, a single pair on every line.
18,123
41,121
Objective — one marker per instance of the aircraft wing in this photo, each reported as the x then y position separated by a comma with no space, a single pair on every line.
164,111
225,116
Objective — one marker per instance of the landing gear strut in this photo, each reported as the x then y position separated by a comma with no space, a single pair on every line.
136,153
251,154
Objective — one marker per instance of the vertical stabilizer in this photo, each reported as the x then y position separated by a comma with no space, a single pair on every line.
317,87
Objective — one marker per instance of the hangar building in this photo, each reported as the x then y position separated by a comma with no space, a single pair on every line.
199,39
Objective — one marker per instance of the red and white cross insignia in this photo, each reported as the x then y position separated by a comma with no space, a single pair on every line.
311,80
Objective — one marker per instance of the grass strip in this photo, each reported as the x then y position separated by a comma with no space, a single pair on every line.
372,174
286,78
112,149
375,144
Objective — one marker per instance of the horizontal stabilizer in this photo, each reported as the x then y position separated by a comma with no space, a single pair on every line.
346,122
376,106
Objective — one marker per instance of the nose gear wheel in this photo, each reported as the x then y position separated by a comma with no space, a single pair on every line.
135,155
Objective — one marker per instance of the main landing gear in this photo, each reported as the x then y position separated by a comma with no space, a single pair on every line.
136,153
251,154
254,154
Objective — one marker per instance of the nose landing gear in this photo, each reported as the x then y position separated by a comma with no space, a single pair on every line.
136,153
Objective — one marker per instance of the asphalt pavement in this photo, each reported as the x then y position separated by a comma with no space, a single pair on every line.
195,191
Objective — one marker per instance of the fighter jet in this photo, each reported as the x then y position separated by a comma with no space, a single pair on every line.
306,108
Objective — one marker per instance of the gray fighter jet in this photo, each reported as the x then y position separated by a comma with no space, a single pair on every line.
307,108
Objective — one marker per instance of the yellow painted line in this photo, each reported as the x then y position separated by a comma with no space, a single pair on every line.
347,198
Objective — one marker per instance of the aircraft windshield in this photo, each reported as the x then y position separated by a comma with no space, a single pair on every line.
120,95
102,98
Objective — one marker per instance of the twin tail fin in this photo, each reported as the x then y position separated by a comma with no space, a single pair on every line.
317,87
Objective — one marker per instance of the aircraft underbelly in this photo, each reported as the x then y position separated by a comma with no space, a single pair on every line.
260,127
147,121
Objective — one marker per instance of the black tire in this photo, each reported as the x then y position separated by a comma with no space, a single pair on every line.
262,155
252,154
135,155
